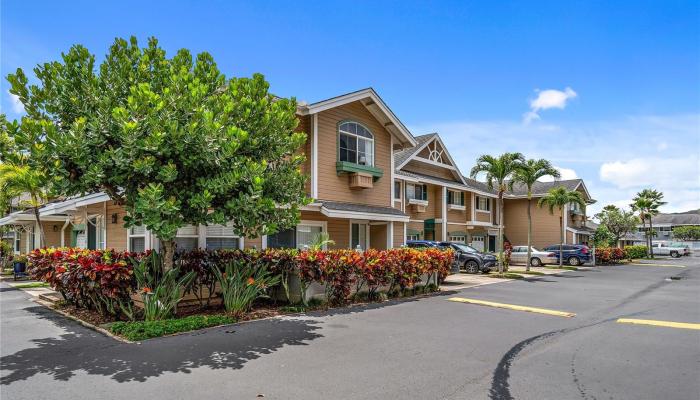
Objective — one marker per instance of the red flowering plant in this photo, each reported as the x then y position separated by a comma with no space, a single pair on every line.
280,262
438,263
338,272
309,270
609,255
375,272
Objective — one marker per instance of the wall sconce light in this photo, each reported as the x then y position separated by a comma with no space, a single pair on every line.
115,218
55,228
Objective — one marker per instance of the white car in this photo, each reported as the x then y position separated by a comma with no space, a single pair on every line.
538,258
667,249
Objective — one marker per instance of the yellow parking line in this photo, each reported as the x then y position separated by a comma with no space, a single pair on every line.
667,324
657,265
513,307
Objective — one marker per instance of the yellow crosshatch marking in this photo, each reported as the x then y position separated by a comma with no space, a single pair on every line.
666,324
513,307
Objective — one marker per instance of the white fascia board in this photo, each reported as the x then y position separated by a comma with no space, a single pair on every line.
480,223
73,204
356,96
363,216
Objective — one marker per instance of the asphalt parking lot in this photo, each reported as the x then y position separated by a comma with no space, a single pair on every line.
429,348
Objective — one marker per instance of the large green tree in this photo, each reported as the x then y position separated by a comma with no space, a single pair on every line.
558,198
688,232
618,222
499,173
527,174
172,139
647,203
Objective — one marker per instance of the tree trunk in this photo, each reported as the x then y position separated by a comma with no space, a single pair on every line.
42,239
561,239
499,240
651,238
529,234
168,253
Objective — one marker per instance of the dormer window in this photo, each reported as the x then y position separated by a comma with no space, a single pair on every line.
356,144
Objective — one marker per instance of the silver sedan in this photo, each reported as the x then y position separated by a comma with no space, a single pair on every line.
538,258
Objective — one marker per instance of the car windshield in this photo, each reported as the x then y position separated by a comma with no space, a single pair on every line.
465,248
677,245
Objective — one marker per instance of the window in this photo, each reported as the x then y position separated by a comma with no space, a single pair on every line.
358,236
483,204
303,235
416,192
457,239
18,240
187,238
411,237
356,144
455,198
137,239
397,190
220,237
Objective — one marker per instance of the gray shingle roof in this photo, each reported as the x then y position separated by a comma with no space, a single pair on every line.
422,176
676,219
338,206
540,188
403,155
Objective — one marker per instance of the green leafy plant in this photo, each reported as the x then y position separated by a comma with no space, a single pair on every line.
687,232
242,283
171,138
141,330
637,251
617,222
647,203
160,289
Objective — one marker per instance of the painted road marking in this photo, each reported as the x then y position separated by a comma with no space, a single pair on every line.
513,307
657,265
667,324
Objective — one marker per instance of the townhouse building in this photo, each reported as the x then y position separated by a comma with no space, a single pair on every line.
373,185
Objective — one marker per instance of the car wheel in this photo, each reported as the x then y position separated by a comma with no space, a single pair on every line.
472,267
675,254
574,261
535,262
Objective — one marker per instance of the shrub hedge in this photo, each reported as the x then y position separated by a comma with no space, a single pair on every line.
609,255
637,251
104,279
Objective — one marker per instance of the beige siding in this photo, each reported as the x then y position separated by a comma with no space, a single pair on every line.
399,239
116,233
545,226
305,126
378,236
332,186
430,170
250,243
52,233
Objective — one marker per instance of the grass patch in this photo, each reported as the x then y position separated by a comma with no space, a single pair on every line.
531,273
31,285
7,272
564,267
140,330
506,275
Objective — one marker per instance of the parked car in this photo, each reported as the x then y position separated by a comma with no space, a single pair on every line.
667,249
574,254
538,258
684,247
470,259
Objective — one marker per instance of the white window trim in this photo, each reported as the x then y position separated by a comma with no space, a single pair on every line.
476,206
457,240
202,237
322,224
359,221
357,146
145,236
409,237
455,194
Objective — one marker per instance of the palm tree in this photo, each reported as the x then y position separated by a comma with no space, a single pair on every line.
647,203
499,171
559,197
527,174
17,178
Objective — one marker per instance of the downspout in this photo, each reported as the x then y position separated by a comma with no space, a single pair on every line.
63,232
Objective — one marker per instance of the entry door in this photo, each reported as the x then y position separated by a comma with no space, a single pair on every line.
478,242
492,243
92,234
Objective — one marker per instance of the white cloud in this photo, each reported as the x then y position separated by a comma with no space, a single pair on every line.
585,147
546,99
16,104
566,173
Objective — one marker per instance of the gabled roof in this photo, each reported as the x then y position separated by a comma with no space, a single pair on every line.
403,157
676,219
376,106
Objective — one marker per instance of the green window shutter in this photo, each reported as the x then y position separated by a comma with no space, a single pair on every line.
461,197
449,197
425,192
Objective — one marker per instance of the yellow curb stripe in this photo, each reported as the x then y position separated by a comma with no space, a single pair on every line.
657,265
513,307
667,324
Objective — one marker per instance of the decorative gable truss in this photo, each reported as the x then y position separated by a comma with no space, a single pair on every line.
433,152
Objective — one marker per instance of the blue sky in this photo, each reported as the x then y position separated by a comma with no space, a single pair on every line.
472,71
